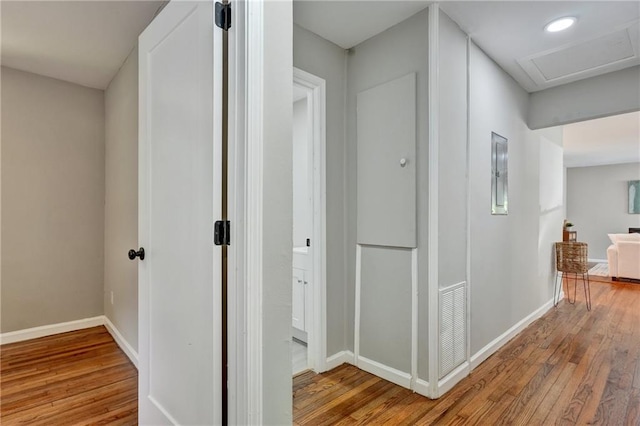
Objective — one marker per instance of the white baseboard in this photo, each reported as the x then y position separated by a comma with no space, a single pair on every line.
598,260
121,341
451,379
383,371
49,330
299,334
422,387
338,359
499,341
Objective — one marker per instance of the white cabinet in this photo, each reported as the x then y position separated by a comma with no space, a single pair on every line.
298,299
301,292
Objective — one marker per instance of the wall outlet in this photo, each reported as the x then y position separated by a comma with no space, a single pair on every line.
112,297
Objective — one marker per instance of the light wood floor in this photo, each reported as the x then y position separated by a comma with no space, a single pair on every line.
570,367
76,378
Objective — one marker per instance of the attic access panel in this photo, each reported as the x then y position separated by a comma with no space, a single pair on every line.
386,176
611,51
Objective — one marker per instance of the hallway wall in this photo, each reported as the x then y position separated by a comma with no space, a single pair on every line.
52,201
121,200
386,280
319,57
505,283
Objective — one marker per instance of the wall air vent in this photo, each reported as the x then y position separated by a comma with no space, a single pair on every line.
453,327
608,52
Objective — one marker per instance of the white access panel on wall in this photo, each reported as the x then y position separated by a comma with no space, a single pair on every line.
386,126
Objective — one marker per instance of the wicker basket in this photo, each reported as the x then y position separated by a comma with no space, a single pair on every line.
571,257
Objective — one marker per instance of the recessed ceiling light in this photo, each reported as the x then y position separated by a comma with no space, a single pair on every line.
560,24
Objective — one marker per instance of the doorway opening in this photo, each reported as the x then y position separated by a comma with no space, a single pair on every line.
308,343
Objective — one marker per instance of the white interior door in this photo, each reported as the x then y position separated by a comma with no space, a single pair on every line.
179,201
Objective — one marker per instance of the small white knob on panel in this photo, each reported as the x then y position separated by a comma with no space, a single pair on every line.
403,162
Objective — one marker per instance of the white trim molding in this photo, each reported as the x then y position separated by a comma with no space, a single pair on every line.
128,350
432,224
342,357
237,316
50,330
254,240
422,387
391,374
358,289
386,372
315,88
598,260
468,167
451,379
414,317
500,341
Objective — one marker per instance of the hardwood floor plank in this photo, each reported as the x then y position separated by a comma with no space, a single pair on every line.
65,388
360,386
497,411
632,416
392,392
391,409
571,366
328,414
548,400
76,378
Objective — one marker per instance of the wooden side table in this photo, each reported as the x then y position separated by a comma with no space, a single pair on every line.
569,235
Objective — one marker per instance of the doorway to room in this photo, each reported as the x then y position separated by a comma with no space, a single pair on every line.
308,347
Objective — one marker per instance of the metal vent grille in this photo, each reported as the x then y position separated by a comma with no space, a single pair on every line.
453,327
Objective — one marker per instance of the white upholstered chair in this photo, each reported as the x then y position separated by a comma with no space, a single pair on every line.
624,256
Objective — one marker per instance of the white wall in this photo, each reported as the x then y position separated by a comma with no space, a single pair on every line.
452,206
608,94
328,61
302,214
52,200
510,277
597,204
552,201
121,200
511,263
505,282
452,150
396,52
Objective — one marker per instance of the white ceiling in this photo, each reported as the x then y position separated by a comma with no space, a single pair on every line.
86,42
609,140
350,22
604,39
510,32
83,42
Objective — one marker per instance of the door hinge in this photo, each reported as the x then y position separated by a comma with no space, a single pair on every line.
223,15
222,233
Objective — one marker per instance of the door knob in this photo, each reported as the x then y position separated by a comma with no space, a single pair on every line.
133,254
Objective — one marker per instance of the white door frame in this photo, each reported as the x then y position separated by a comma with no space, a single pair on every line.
315,88
244,380
245,206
